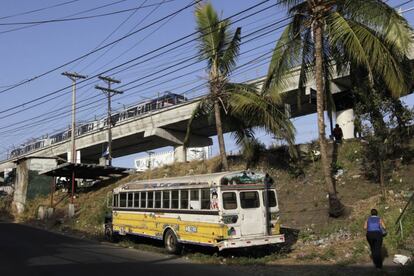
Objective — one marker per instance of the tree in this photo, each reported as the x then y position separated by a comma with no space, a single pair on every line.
220,48
321,35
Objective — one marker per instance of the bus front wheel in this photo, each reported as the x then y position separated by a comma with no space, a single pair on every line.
171,242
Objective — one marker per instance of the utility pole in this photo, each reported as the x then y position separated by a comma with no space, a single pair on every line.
73,77
109,92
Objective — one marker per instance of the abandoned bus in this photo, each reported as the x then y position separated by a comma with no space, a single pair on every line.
223,210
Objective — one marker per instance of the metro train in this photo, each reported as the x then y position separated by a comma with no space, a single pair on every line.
134,111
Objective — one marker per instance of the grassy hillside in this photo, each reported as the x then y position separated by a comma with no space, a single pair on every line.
303,206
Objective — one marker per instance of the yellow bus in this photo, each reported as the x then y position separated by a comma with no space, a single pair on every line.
223,210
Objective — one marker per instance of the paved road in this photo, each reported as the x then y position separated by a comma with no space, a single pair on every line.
29,251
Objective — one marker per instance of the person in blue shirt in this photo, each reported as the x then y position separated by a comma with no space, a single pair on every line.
375,226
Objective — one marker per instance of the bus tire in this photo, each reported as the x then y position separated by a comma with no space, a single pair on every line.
171,242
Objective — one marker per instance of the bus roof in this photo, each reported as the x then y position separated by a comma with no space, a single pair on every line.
212,179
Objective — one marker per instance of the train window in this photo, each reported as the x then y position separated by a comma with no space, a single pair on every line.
122,200
166,199
184,199
174,199
157,199
150,201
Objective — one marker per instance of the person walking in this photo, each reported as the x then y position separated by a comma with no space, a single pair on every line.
375,228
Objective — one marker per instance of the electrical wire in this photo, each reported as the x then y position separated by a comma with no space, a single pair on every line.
82,17
125,63
100,48
38,10
253,60
75,14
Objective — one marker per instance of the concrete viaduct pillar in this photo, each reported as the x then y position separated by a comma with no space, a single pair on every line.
345,119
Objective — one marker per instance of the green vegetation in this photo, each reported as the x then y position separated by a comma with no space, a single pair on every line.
231,105
323,36
5,207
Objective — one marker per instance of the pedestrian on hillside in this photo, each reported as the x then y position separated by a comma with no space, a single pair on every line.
338,134
357,127
375,228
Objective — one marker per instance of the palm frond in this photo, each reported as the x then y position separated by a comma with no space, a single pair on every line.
262,112
228,59
204,108
382,18
366,47
207,25
286,55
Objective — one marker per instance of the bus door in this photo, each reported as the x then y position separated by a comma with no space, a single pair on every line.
251,213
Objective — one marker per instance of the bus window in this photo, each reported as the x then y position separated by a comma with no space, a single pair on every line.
249,200
157,199
174,199
115,201
166,199
195,199
205,199
143,199
184,199
271,197
229,201
122,200
129,196
136,200
150,200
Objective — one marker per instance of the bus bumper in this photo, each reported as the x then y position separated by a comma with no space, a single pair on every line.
250,241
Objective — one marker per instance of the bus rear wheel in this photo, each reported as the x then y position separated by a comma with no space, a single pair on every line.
171,242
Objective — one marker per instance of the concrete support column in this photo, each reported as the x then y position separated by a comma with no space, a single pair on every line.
180,153
78,156
345,119
20,187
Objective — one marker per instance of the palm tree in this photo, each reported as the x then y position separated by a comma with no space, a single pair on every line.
324,33
237,102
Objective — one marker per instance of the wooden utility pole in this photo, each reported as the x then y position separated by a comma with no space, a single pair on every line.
73,77
109,92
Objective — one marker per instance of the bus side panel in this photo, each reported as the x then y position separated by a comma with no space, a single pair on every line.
202,229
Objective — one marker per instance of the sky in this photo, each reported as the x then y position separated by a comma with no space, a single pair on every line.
34,56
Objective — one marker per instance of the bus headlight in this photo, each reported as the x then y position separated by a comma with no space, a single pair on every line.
230,219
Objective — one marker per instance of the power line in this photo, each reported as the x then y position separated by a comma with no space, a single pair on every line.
113,32
261,35
100,48
131,30
255,59
123,64
75,14
37,10
80,18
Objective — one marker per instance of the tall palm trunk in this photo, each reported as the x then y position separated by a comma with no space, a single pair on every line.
220,137
335,207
